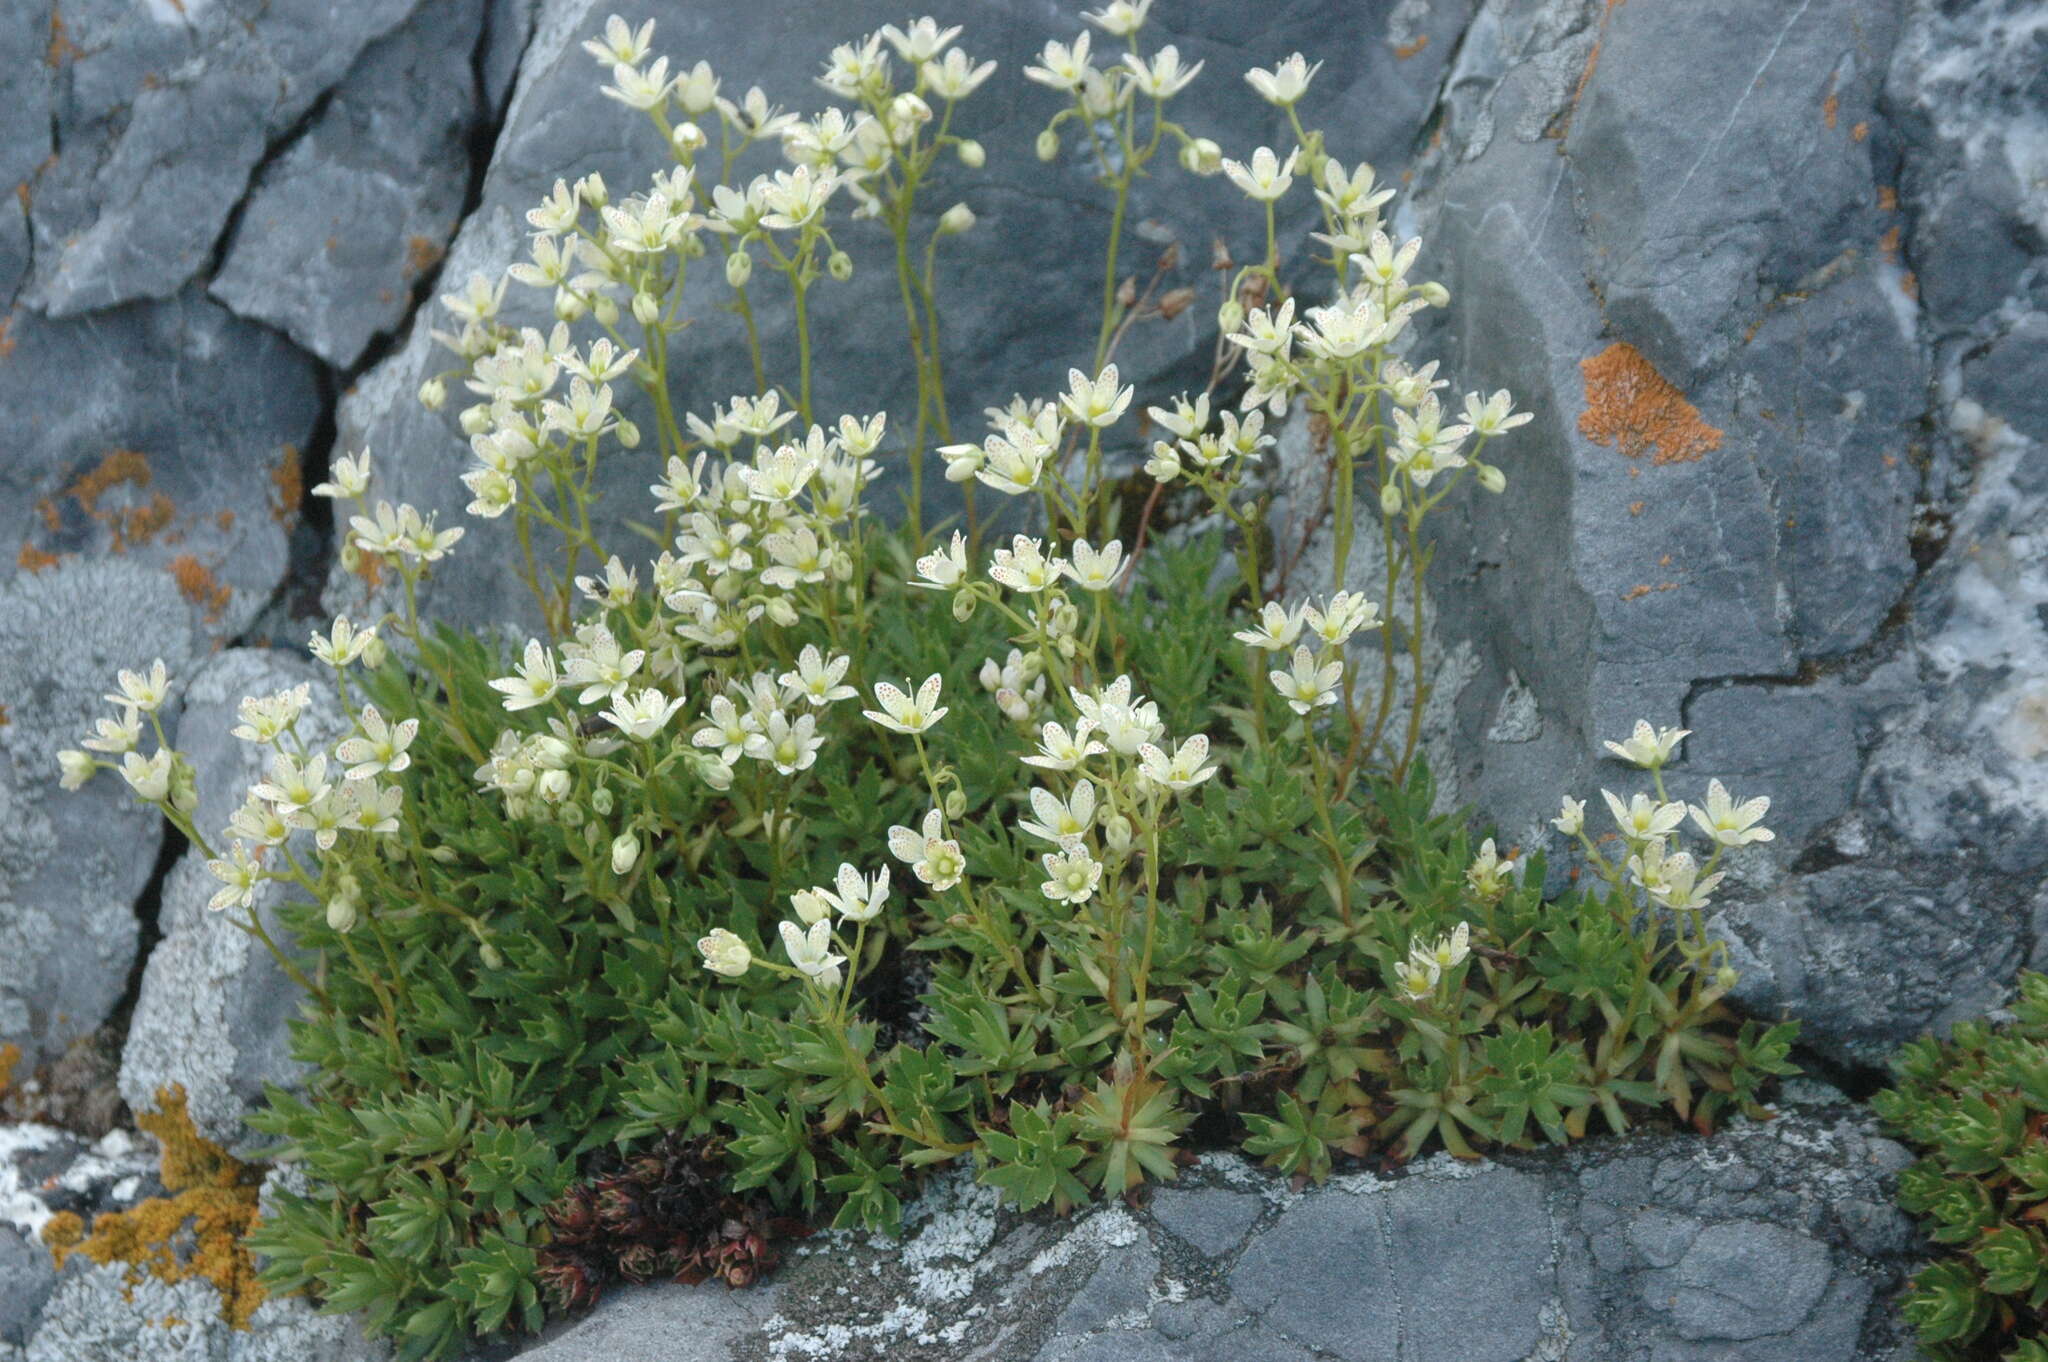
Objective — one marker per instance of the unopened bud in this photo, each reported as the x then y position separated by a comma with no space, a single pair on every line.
1048,145
1201,156
1435,294
625,853
628,434
971,154
601,801
839,265
1492,479
568,307
1230,316
1127,292
1390,498
963,605
956,803
374,653
1725,977
341,914
783,612
492,957
444,855
956,220
592,191
739,267
1116,833
604,309
689,138
646,308
433,393
475,420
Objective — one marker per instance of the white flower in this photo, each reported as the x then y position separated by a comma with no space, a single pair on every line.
637,89
817,680
1126,724
857,898
617,588
536,682
1097,401
902,714
1649,747
1061,821
599,665
1070,876
1679,885
239,876
811,905
1096,569
1348,612
957,76
1184,770
625,853
369,807
348,477
1491,417
1572,819
921,42
293,786
115,736
1643,817
1060,751
1120,17
644,715
150,778
259,821
1275,628
811,952
787,745
143,691
343,644
726,728
1449,951
75,768
1308,687
1163,77
1065,68
933,857
379,748
621,44
944,569
1417,976
1729,823
1286,82
1488,875
1266,178
724,953
1023,567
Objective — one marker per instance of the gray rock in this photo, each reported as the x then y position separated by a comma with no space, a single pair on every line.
1652,1247
71,865
1213,1220
26,1280
24,131
167,107
211,1014
342,229
168,435
1018,299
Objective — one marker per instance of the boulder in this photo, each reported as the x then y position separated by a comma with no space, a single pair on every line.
1770,1241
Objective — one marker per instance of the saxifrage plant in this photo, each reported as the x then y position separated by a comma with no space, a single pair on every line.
815,853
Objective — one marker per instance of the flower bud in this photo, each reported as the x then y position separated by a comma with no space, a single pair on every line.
592,191
1116,834
1435,294
553,786
956,220
492,957
1492,479
568,307
646,308
1048,145
739,267
1725,977
601,801
77,767
433,393
444,855
963,605
971,154
604,309
908,110
374,653
713,772
956,803
1201,156
625,853
782,612
341,914
475,420
839,265
628,433
1390,499
689,138
1230,316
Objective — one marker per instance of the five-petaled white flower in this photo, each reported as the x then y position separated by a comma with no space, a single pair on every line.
1274,629
1023,567
1061,821
1095,569
379,747
1572,817
1729,823
789,745
239,875
1059,750
856,897
1643,817
1307,687
1184,770
811,952
1286,82
644,715
1649,747
115,736
932,856
1266,178
1096,401
944,569
536,681
1071,876
150,777
816,679
145,691
901,713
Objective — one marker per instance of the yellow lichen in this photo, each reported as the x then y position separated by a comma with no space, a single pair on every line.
1633,408
211,1207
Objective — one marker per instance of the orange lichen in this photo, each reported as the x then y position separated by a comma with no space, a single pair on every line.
288,486
10,1055
1642,589
1408,49
118,467
198,585
7,322
33,559
225,519
1859,132
1911,284
422,253
1633,408
1831,108
212,1204
1636,507
1887,199
61,48
1888,244
140,524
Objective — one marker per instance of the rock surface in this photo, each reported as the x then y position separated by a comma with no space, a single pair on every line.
1769,1242
210,1018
